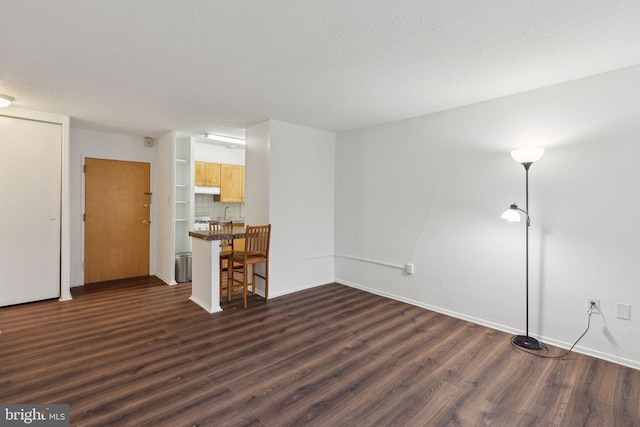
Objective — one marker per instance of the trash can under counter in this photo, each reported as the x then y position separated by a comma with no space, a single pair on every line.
183,267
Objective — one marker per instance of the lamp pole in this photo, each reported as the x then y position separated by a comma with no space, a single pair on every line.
525,157
526,174
526,341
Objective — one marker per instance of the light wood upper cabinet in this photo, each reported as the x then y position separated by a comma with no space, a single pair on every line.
213,174
242,182
207,174
231,183
200,173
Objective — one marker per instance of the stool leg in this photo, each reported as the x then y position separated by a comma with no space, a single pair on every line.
266,281
244,286
220,282
229,279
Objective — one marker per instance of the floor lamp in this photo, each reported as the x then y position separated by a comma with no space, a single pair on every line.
525,157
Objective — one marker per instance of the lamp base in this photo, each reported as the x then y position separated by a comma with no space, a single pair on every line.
527,342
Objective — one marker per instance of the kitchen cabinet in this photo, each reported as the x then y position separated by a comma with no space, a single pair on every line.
207,174
200,176
238,244
213,174
231,183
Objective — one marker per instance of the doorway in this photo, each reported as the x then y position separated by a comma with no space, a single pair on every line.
117,219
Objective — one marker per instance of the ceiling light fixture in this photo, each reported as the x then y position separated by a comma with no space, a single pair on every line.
223,138
5,100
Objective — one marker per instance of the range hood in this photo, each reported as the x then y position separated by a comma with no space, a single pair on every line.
206,190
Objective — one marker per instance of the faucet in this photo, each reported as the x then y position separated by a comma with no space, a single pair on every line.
226,210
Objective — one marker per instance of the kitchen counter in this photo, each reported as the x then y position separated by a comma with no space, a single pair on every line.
205,262
237,233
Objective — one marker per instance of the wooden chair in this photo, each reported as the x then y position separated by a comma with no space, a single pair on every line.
256,251
226,248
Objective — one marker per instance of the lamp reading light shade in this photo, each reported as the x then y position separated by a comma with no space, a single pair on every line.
5,100
511,214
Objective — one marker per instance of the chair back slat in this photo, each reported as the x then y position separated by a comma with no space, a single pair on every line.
225,227
257,239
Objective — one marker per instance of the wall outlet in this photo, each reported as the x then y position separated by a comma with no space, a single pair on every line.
590,305
408,268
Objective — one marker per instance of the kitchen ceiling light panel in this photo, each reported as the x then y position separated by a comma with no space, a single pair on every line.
223,138
5,100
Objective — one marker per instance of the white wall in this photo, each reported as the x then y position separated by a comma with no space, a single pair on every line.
256,174
301,205
290,184
164,208
430,191
101,145
205,152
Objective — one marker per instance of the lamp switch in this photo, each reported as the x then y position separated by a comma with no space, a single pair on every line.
623,311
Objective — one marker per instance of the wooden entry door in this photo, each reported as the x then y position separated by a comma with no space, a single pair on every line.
117,219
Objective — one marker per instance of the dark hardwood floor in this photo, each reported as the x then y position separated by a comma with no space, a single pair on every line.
137,352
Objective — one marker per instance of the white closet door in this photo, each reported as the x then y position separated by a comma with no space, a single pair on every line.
30,186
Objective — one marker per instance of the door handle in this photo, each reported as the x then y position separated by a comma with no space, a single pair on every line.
146,222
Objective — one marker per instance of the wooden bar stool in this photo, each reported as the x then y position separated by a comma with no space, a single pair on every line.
256,251
226,248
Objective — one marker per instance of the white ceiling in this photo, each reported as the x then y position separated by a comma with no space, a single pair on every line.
144,67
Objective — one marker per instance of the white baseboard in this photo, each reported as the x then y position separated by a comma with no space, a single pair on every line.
206,307
165,280
290,290
548,340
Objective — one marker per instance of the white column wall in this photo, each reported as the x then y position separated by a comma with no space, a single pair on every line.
301,206
164,208
290,184
256,174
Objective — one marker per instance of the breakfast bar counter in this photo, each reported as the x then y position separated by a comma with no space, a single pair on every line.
205,280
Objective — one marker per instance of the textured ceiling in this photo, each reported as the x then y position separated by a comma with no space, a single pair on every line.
148,66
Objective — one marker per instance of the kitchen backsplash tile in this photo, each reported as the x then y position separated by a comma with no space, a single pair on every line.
205,206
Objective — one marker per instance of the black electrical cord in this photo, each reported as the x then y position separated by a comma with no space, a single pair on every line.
546,348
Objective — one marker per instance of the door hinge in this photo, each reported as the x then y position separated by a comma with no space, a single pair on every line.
84,168
84,217
83,265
